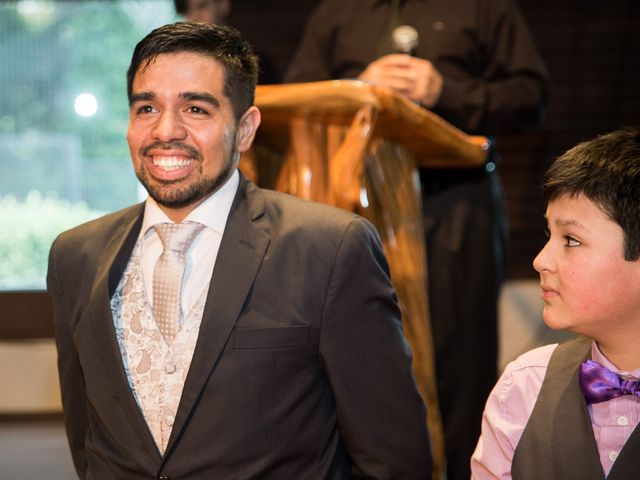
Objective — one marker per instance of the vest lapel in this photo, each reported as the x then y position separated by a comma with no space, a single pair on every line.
558,441
99,316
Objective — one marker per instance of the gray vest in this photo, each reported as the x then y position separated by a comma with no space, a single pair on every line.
558,442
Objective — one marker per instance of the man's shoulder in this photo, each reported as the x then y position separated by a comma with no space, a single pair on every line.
286,214
299,210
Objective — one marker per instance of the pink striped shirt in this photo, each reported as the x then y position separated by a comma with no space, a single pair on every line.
513,398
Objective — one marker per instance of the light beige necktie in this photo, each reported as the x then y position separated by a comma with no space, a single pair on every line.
167,275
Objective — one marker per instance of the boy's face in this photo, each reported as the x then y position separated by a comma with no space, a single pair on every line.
587,285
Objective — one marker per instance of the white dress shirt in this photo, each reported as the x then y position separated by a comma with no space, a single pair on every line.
201,256
156,371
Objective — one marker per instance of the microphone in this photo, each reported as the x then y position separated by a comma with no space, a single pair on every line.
405,39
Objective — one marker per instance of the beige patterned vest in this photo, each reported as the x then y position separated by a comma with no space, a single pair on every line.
156,371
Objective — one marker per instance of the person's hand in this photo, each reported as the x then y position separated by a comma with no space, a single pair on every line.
413,77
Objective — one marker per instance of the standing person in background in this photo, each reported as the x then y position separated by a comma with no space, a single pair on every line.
209,11
217,12
474,63
218,330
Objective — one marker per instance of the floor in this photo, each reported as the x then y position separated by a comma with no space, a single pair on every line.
34,450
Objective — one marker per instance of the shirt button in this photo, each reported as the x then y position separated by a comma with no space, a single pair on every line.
170,368
622,420
164,477
613,455
169,420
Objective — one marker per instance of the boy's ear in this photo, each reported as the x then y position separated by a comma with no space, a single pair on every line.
247,127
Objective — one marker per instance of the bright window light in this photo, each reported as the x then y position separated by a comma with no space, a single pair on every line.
86,105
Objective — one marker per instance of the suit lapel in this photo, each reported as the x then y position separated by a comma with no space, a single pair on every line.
114,260
241,252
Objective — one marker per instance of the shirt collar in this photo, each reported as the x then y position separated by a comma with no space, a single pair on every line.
598,356
212,212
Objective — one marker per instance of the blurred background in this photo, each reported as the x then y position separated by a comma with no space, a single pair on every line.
64,160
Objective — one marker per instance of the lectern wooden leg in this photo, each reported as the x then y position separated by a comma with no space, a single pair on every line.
331,164
395,209
393,193
346,165
304,172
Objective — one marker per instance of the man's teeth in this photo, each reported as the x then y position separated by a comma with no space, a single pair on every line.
170,163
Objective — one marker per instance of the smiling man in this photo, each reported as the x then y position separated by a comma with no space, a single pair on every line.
219,330
185,144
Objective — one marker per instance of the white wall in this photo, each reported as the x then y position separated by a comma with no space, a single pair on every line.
29,377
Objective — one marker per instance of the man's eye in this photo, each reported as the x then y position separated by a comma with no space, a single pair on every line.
198,110
571,242
547,233
145,109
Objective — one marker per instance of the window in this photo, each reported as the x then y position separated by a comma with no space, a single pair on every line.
63,118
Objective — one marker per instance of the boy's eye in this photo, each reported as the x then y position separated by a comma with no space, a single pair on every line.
547,233
571,242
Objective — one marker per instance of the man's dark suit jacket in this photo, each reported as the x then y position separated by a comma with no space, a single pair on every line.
300,370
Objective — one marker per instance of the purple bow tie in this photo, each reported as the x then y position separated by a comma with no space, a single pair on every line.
599,384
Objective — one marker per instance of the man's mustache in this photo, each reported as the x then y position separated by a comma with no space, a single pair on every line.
191,151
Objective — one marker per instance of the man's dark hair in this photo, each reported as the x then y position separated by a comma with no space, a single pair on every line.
223,44
606,170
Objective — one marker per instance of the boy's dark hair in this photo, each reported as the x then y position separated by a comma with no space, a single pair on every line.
606,170
223,44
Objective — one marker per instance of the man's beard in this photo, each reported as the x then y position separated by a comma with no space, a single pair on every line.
172,197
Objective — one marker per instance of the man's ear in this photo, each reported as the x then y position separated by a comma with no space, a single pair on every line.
247,127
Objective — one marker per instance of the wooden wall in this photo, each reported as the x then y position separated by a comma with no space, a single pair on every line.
592,49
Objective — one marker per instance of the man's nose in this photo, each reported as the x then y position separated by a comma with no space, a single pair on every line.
169,127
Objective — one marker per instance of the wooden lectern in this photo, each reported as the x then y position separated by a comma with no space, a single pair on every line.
358,146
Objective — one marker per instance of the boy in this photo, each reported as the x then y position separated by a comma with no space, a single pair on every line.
551,414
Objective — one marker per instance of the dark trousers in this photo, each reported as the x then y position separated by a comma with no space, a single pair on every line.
466,236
